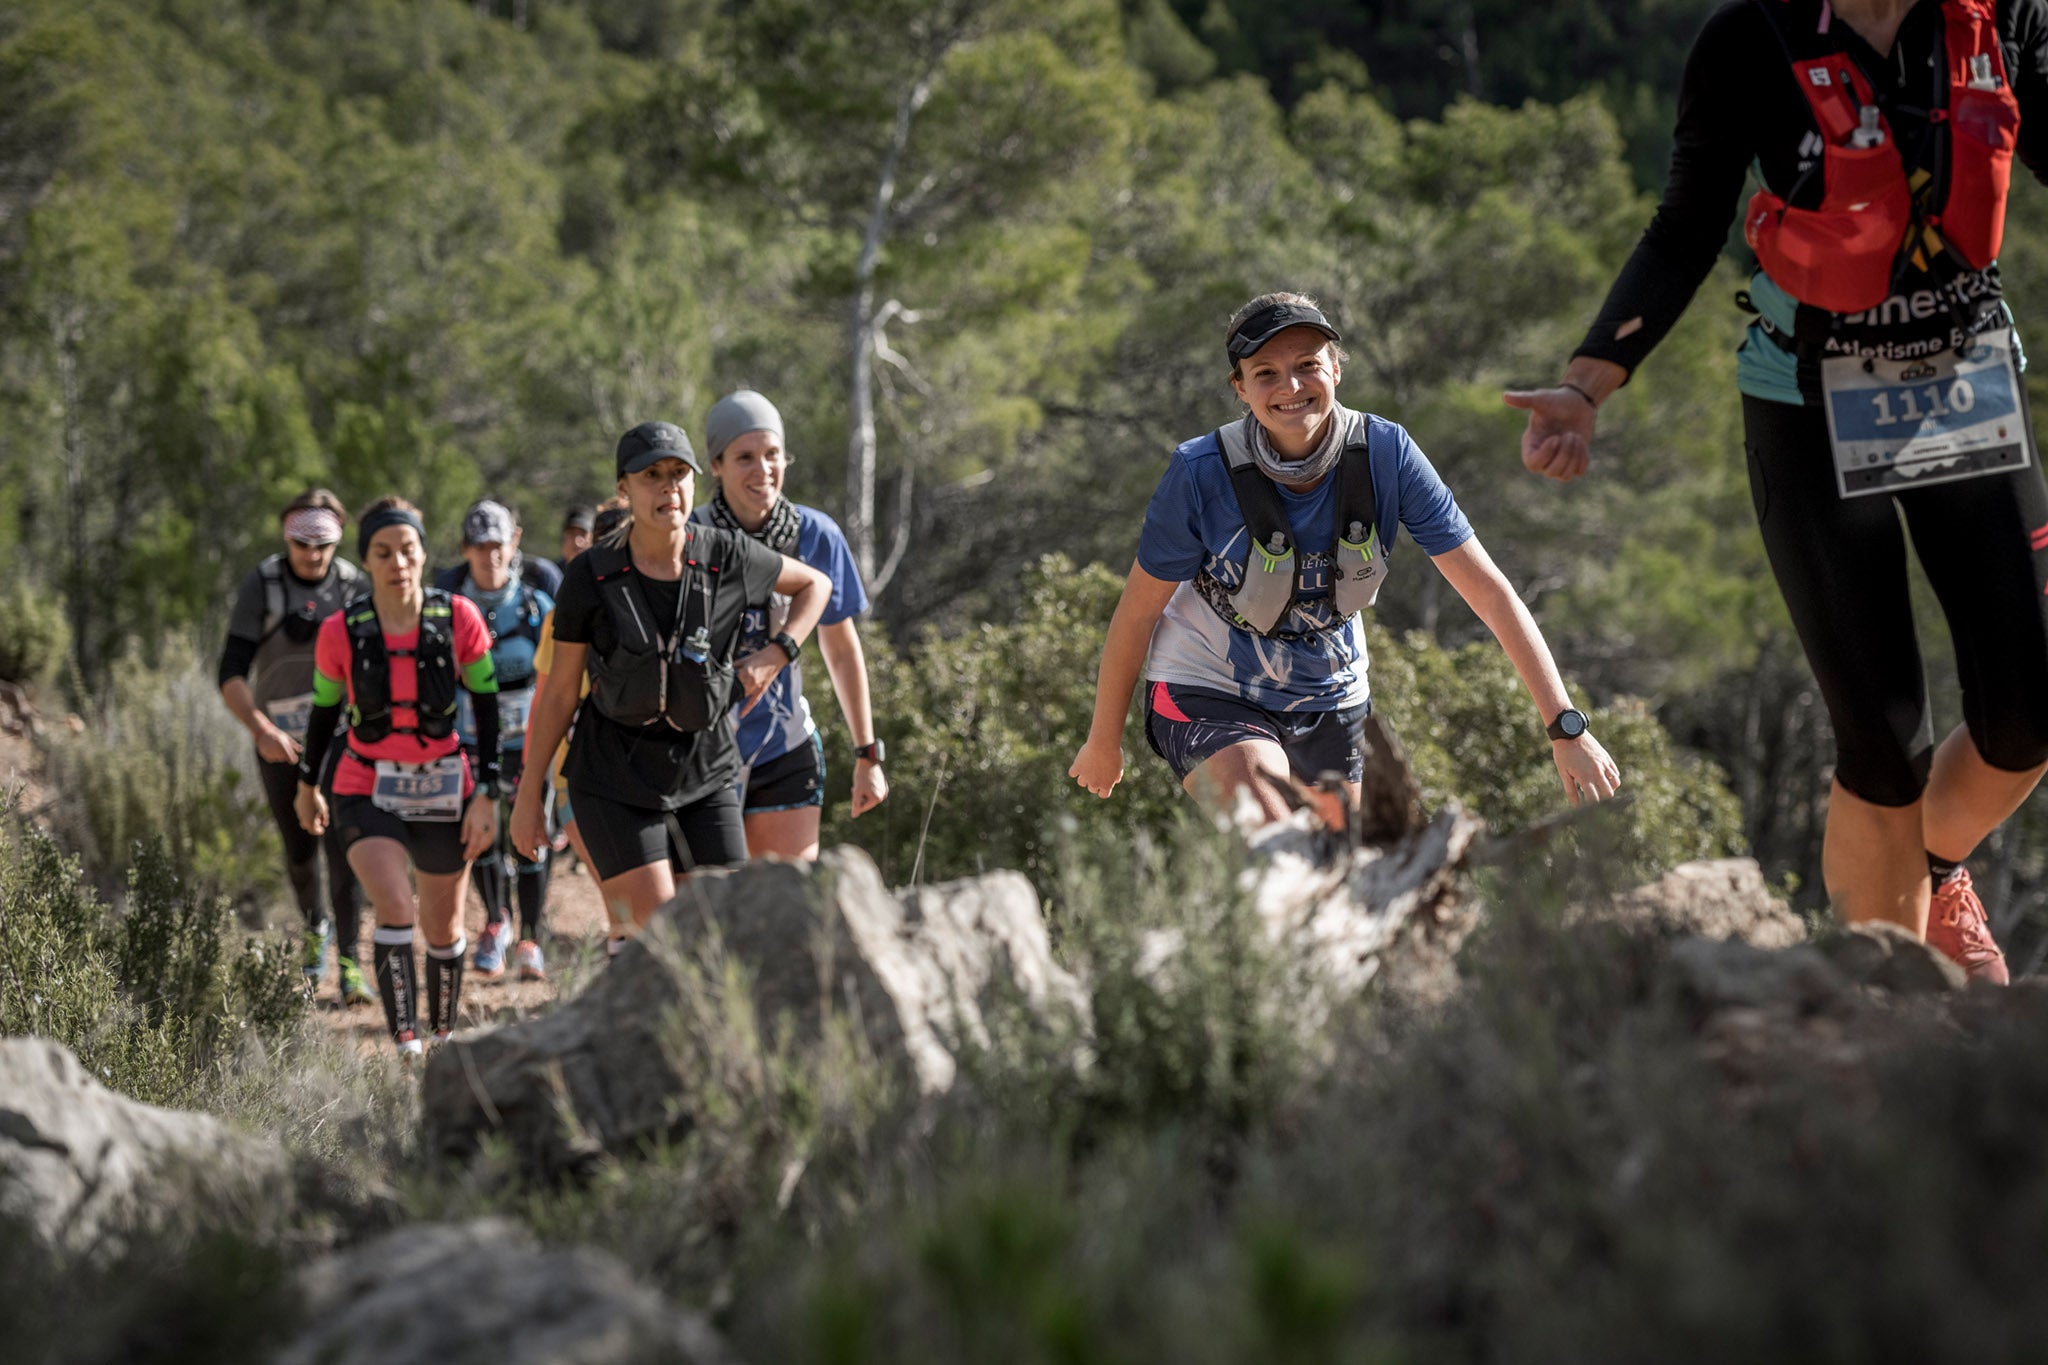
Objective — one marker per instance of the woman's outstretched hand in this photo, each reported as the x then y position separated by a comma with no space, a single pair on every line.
1588,773
1558,441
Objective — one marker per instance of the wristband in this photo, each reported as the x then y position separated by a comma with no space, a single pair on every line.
871,750
1591,402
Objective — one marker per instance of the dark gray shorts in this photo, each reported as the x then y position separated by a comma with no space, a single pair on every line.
1188,725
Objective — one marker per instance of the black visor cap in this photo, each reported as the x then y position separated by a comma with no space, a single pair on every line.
650,443
1269,322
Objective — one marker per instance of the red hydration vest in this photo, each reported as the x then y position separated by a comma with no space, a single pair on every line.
1841,256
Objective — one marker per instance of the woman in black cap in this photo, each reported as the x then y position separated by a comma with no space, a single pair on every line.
1263,543
655,618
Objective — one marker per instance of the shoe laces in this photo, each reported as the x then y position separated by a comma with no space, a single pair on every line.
1963,912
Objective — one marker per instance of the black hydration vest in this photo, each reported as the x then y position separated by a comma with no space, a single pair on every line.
649,676
433,659
1262,600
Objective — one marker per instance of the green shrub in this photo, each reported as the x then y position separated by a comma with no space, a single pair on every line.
160,758
155,1000
34,637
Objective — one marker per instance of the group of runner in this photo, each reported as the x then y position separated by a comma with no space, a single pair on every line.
393,710
1880,384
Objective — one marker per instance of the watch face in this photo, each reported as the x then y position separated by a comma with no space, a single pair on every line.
1573,723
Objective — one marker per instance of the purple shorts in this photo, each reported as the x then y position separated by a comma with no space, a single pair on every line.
1186,725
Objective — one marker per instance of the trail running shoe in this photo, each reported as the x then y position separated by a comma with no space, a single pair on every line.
410,1049
1957,928
527,959
442,1035
354,989
490,949
313,953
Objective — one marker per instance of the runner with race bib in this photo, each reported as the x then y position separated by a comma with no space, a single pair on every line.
405,797
1881,396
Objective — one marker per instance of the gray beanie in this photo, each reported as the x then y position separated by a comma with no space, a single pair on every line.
736,414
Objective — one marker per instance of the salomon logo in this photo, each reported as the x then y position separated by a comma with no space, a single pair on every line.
1811,145
1818,75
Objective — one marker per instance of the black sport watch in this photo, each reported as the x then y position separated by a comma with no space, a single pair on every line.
871,750
789,645
1570,724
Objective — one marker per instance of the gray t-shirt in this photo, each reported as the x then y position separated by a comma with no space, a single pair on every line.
282,613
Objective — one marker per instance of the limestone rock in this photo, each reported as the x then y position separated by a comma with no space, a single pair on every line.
83,1165
1893,959
917,972
445,1294
1722,898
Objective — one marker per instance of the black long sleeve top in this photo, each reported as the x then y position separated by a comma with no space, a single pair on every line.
1739,106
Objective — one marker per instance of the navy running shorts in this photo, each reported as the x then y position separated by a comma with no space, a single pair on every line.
1187,725
790,781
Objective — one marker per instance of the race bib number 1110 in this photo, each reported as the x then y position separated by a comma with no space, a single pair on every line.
1902,424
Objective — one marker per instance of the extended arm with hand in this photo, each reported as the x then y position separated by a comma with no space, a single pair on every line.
1582,764
1558,441
328,698
552,711
1100,764
847,662
808,592
272,744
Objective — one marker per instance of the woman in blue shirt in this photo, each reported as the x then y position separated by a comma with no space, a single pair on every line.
782,774
1254,655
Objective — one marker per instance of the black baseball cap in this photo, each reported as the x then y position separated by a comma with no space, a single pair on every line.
581,517
651,442
1269,322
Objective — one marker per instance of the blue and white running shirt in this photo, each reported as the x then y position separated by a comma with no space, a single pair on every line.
1194,524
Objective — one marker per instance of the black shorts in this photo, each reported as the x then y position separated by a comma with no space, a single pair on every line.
1187,725
788,782
435,845
1841,565
621,837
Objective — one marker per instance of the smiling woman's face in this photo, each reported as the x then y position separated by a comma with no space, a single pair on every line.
750,471
1290,385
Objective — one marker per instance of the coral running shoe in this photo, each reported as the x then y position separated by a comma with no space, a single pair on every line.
490,949
527,960
354,989
1957,928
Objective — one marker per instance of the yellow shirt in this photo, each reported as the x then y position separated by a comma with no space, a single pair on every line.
543,664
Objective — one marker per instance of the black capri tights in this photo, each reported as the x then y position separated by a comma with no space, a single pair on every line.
1841,565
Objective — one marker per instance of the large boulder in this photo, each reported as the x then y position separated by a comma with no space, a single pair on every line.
84,1167
445,1294
916,973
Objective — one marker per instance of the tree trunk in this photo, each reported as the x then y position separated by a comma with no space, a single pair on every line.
64,329
860,452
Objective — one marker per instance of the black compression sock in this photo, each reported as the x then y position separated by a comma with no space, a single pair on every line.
533,896
487,874
444,984
397,979
1941,869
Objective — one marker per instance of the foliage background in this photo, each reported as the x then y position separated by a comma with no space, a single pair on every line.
978,250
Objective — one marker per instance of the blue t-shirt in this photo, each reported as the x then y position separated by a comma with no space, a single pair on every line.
781,720
1194,525
513,615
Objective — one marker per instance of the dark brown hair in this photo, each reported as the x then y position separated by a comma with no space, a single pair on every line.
315,497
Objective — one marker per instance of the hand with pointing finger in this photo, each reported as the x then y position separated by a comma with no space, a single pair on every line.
1558,441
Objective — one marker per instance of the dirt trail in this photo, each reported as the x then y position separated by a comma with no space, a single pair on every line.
576,927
